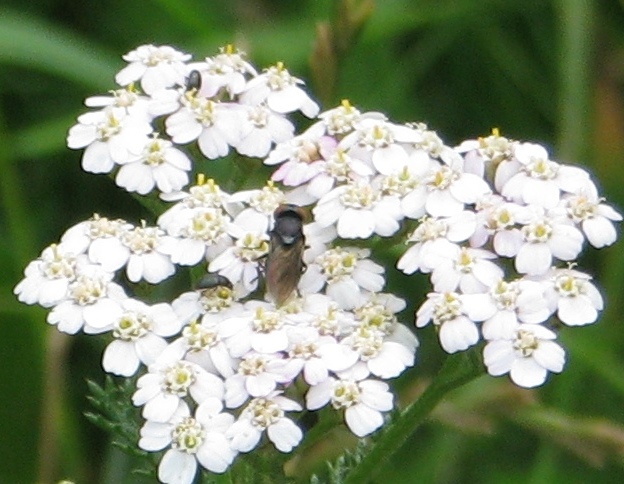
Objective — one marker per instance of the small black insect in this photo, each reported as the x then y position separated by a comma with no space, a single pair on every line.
194,80
210,281
284,264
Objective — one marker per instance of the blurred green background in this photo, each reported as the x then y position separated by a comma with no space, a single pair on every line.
542,70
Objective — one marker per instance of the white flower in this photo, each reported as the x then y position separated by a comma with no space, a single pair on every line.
362,401
528,356
146,258
168,382
158,67
281,92
345,271
217,299
368,351
260,128
449,314
93,301
506,305
359,209
545,237
258,376
159,165
470,270
110,136
573,296
139,336
449,189
435,238
499,221
215,126
594,217
240,262
305,345
100,238
267,413
483,156
47,278
228,69
128,98
380,142
191,439
540,180
197,233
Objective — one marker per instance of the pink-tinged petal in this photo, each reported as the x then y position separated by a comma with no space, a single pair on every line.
120,358
284,434
527,373
533,259
363,420
177,468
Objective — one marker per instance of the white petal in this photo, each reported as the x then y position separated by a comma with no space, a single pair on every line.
363,420
177,468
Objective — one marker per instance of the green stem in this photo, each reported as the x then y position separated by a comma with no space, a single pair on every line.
457,370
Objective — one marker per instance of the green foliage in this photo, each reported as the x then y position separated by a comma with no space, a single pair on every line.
338,471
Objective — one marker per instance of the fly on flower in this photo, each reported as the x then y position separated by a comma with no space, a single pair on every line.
284,264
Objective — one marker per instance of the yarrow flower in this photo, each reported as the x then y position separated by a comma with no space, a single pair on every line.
224,365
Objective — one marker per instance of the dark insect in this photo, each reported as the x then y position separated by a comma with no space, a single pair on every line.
284,264
194,81
210,281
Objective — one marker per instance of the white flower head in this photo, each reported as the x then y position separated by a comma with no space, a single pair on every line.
47,278
266,414
110,136
190,440
281,92
258,376
159,165
260,128
594,217
146,257
139,336
528,356
227,70
449,314
215,125
545,237
93,301
157,67
345,271
362,401
381,143
100,238
539,180
436,238
571,294
168,382
359,209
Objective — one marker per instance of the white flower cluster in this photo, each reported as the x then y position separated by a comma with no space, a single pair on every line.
223,365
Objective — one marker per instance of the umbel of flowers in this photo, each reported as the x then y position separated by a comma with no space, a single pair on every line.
495,223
